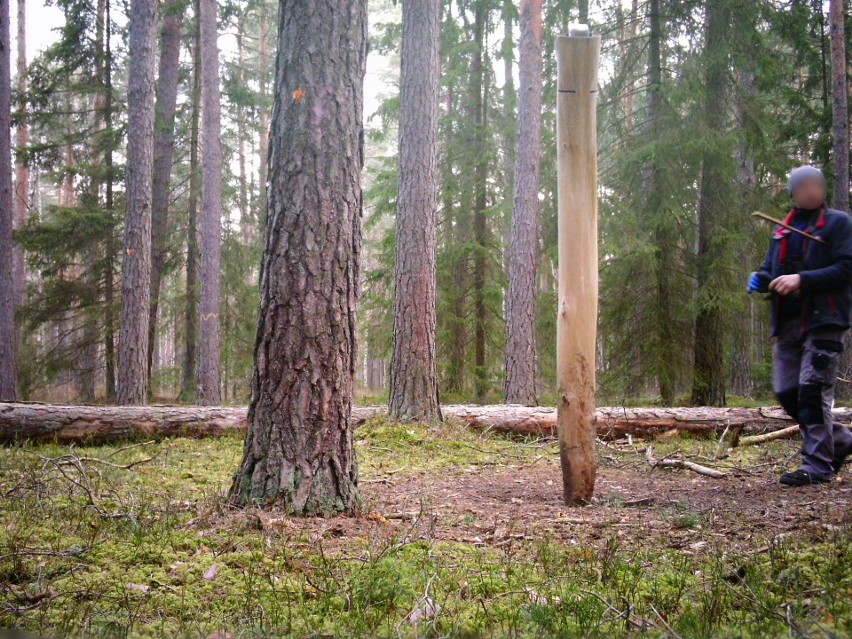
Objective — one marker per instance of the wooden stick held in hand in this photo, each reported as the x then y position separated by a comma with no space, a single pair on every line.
763,216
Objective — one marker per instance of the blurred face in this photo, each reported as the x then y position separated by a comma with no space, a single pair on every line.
810,194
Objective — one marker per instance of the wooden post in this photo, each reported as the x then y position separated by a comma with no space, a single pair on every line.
576,327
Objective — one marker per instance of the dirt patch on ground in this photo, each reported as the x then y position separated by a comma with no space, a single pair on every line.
644,505
635,504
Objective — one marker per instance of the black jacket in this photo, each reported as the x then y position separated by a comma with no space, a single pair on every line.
826,271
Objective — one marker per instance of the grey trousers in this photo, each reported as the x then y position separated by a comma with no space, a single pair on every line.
805,375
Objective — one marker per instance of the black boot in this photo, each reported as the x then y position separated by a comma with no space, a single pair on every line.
803,478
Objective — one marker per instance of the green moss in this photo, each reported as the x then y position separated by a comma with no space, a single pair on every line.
161,555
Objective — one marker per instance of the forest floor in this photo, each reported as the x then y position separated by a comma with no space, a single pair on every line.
459,535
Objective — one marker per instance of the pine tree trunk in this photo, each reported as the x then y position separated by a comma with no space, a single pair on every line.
189,385
242,134
8,333
164,147
824,145
660,223
209,356
509,99
109,285
583,11
456,304
708,387
630,90
264,64
136,284
375,373
521,315
743,353
480,229
22,141
298,452
840,91
414,373
840,104
88,364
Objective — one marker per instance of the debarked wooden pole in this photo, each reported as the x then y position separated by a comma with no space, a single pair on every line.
577,57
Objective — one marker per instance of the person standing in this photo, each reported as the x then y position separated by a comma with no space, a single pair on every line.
809,284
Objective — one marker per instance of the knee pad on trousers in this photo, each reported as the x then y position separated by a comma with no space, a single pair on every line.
789,401
810,404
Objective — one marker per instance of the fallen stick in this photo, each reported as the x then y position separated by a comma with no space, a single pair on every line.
688,465
756,440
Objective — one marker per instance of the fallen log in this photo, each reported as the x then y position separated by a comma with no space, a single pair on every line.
617,422
98,424
645,422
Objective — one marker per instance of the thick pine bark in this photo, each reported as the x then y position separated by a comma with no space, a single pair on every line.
164,148
209,360
100,424
708,387
414,374
298,451
521,311
136,284
189,385
840,104
8,333
22,141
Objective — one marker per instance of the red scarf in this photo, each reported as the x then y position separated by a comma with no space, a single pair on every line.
784,234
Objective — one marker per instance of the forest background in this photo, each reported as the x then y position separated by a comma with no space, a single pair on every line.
665,295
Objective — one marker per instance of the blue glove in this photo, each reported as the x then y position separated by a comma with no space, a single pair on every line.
756,283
